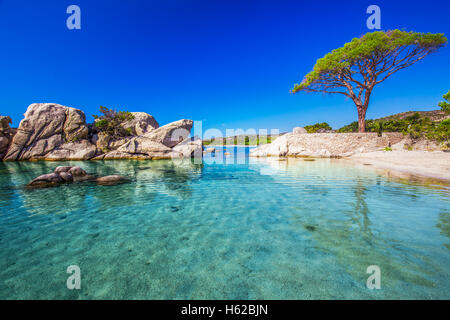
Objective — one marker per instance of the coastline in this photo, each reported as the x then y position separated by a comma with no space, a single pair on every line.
229,145
428,164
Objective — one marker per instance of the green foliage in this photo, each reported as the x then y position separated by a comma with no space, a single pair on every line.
111,122
445,105
387,149
378,43
415,126
248,141
315,127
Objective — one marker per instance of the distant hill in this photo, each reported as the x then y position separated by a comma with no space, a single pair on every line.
434,115
417,125
248,140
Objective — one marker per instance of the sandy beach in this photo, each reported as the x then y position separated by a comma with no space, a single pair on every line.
434,165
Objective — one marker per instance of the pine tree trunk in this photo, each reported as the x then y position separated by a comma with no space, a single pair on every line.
361,123
361,118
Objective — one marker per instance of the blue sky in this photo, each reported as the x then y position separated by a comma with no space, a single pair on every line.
228,63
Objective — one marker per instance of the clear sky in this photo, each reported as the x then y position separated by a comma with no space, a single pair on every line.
228,63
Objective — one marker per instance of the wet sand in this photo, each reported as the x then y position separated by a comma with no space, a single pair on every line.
434,165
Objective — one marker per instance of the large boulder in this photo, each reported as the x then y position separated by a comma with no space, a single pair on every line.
141,124
51,131
6,134
190,148
171,134
83,150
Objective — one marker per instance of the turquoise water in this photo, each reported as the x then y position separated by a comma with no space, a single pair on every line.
262,229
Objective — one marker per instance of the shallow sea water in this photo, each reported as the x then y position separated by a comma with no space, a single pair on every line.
258,229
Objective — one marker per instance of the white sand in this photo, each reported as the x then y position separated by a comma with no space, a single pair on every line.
421,163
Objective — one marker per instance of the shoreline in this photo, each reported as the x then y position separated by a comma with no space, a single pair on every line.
229,145
427,164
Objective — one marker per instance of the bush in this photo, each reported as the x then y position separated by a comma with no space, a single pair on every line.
315,127
111,122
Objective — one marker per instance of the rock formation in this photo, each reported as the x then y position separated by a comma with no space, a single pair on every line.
326,144
55,132
6,135
66,174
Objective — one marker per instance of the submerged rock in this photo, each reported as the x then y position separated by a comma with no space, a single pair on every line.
46,180
77,171
67,177
111,180
62,169
65,174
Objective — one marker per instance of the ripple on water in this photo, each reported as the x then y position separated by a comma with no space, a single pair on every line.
264,229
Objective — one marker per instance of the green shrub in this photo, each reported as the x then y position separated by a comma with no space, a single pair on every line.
315,127
111,122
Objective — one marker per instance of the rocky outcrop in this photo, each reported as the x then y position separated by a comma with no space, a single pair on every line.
326,144
51,132
55,132
6,134
141,124
166,142
171,134
190,148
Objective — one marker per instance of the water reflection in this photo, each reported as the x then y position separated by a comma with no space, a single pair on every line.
444,225
349,233
148,178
